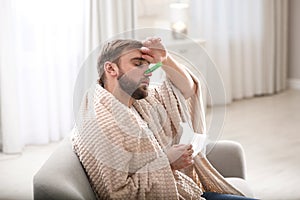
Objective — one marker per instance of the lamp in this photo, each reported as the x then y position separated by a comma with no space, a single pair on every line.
179,18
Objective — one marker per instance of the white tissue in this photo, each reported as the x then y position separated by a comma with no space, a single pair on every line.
190,137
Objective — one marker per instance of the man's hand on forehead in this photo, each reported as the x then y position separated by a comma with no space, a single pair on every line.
153,50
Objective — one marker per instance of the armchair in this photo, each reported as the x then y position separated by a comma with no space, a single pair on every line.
62,175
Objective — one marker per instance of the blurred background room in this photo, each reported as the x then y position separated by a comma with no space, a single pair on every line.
254,45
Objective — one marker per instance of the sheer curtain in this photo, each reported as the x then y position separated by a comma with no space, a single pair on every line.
8,98
40,54
43,46
105,18
247,40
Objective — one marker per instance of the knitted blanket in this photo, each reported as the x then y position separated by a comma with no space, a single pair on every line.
123,149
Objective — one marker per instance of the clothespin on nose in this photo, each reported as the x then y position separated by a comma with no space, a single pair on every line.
153,68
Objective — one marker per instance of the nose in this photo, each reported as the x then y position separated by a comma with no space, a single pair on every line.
148,74
153,68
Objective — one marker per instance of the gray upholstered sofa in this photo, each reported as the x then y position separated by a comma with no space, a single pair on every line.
62,175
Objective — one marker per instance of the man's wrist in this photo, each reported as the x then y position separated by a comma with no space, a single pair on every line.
166,59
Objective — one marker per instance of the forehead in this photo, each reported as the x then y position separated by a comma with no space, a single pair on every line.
129,54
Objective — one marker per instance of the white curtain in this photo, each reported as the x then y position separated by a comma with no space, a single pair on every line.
9,98
247,40
40,54
43,46
105,18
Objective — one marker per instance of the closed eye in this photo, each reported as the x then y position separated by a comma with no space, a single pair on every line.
140,63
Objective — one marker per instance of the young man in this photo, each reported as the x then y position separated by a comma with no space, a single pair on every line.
128,134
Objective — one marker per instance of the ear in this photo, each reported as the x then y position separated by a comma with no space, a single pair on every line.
111,68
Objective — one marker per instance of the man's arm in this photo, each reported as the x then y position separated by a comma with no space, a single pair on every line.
179,77
154,51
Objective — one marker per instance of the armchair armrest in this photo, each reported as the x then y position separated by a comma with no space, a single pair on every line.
228,158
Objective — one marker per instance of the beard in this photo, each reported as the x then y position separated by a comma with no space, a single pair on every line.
132,88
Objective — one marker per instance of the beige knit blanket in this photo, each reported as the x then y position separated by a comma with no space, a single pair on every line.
123,149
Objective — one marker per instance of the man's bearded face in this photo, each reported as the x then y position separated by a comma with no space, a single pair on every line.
136,89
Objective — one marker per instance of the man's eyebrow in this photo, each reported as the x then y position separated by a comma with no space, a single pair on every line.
139,59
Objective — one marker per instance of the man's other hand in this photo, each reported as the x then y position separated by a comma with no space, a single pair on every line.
180,156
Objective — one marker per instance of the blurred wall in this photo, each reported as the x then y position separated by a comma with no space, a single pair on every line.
294,40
